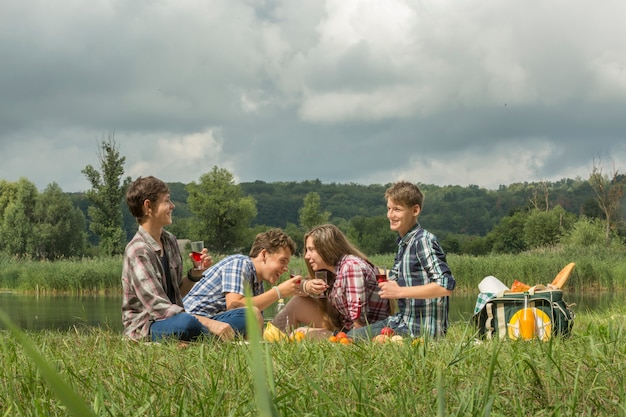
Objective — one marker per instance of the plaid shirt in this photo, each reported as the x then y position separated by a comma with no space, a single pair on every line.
482,300
144,298
231,274
355,292
421,260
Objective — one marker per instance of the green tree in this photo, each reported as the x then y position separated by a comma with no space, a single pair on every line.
8,192
372,235
60,227
508,235
586,232
608,194
107,195
545,228
310,214
224,214
17,235
297,234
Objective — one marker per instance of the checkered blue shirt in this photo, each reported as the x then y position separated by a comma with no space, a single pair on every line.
231,274
420,261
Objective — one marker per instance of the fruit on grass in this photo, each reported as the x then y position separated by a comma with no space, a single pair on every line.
380,338
397,339
340,337
299,336
387,331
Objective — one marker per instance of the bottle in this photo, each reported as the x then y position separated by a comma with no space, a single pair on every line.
527,320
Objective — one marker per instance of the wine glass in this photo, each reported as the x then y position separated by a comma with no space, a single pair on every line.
381,274
196,254
323,276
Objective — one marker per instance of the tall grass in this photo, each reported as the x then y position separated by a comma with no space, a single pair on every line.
596,269
84,275
457,376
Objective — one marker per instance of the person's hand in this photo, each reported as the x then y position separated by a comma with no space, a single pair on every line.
222,330
205,262
389,289
315,287
291,286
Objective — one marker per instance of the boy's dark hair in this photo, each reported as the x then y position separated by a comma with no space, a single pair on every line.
405,193
272,240
142,189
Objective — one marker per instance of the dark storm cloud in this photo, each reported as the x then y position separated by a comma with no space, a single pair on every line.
482,93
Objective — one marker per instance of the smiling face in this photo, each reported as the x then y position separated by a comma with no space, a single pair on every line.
313,258
160,212
270,266
401,218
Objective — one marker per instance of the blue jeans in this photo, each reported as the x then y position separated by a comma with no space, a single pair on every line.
374,329
182,326
186,327
236,318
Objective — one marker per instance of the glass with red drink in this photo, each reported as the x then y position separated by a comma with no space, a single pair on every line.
381,275
196,254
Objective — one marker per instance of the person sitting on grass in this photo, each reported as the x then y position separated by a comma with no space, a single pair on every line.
352,300
152,275
420,278
222,287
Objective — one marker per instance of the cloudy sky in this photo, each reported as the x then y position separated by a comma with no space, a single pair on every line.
483,92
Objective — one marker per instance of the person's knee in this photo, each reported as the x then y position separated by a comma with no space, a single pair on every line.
257,313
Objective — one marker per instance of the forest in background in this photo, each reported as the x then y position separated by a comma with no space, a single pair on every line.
468,220
454,213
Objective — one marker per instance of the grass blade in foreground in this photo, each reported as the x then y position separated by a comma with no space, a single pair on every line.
264,398
75,405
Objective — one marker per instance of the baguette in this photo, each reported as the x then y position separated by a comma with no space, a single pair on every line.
562,277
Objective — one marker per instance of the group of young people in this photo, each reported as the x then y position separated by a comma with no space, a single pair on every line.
161,301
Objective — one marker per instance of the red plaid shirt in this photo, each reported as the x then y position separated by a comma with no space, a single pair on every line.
355,292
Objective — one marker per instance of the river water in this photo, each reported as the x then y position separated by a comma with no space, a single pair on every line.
31,312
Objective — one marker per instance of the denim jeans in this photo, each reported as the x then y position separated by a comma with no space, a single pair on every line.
182,326
374,329
186,327
236,318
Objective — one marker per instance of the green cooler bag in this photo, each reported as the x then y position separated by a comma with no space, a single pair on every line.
500,315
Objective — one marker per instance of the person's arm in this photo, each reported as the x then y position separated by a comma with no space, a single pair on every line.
439,279
352,281
189,280
194,275
391,289
287,289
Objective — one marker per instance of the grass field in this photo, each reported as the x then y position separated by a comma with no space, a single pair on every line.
458,375
96,372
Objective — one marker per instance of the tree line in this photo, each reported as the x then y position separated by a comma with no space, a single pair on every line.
468,220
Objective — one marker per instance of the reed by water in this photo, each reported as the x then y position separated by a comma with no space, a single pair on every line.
596,269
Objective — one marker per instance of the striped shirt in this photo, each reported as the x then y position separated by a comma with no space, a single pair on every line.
355,292
421,260
144,286
231,274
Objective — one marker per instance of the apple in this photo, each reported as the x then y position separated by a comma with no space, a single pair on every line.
387,331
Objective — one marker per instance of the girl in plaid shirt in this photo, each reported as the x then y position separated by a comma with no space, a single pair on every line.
351,299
